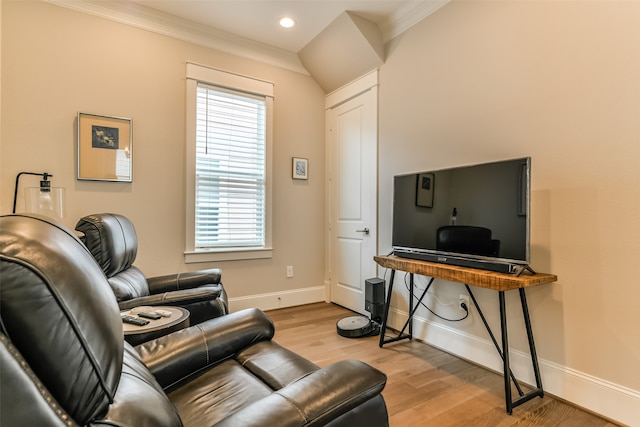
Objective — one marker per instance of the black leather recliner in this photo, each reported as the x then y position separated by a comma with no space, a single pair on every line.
112,240
64,361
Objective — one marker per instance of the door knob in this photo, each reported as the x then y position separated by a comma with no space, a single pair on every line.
365,231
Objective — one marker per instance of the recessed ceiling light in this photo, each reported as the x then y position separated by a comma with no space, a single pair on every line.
287,22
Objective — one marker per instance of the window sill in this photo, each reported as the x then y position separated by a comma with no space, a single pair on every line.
227,255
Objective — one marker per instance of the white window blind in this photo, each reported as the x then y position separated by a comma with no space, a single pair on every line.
230,199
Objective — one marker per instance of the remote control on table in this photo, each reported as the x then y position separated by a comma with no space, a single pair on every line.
140,309
134,320
164,313
150,315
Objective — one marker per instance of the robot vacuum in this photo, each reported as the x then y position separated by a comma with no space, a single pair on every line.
357,327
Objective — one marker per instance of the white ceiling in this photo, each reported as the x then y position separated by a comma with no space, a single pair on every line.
249,28
257,20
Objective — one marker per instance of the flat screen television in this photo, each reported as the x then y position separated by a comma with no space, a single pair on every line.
472,216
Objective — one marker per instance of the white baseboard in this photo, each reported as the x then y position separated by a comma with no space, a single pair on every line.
282,299
610,400
327,291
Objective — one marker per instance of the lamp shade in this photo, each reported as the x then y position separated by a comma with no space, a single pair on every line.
48,203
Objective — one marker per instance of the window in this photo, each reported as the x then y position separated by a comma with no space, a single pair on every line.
228,153
230,169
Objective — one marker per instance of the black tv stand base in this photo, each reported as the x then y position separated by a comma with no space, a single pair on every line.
522,268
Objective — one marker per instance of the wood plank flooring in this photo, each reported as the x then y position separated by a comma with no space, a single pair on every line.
425,386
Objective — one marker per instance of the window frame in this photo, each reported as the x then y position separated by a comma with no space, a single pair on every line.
200,74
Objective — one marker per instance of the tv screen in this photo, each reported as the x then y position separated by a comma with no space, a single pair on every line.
474,216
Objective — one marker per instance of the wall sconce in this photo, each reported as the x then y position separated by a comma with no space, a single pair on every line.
45,200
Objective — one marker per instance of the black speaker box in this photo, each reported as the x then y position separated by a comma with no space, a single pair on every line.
374,298
374,290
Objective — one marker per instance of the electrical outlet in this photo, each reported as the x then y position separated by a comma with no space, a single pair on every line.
463,299
289,270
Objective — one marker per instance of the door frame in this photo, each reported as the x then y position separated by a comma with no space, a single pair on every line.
368,82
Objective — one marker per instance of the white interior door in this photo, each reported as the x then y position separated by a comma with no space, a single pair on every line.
352,148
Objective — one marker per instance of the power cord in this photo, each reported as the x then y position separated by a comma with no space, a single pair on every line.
463,305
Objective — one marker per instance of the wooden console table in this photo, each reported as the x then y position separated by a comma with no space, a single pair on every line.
481,278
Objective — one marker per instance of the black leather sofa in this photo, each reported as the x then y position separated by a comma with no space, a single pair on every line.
64,361
113,242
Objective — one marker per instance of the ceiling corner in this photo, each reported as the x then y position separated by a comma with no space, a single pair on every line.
407,17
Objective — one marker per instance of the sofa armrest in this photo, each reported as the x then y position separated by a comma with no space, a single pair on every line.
174,357
186,280
179,298
316,399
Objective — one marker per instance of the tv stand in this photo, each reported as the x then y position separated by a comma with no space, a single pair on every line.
500,282
522,268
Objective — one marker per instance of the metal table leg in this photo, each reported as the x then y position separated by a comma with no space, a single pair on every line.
412,311
532,344
504,351
383,328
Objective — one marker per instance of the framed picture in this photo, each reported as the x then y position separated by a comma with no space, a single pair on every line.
104,148
300,168
424,192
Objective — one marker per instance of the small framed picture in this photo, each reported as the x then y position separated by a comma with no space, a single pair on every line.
424,192
104,148
300,168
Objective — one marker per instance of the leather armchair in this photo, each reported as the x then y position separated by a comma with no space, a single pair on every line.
64,362
112,240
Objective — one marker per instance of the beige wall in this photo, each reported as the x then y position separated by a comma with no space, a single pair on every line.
557,81
56,62
476,81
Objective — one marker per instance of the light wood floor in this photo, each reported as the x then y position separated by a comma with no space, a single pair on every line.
425,386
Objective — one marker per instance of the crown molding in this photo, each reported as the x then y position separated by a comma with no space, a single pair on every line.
406,17
169,25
